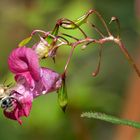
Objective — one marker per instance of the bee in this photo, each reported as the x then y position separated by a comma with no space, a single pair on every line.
6,100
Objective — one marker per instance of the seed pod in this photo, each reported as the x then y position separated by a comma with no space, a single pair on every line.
62,95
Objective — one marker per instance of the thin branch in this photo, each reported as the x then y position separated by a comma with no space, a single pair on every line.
128,56
96,29
116,20
96,72
68,60
103,21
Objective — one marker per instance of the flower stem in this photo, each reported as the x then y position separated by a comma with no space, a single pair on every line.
68,60
123,49
127,55
111,119
102,20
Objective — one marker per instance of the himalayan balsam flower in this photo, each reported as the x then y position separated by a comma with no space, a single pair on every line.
31,81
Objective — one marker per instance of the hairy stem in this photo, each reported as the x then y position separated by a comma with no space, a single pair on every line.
111,119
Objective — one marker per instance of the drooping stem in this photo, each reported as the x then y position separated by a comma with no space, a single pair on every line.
123,49
96,29
111,119
116,20
95,73
127,55
102,20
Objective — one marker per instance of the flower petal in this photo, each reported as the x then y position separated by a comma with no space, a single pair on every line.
22,105
24,59
25,79
50,81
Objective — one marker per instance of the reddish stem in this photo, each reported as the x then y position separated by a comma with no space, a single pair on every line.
123,49
68,60
127,55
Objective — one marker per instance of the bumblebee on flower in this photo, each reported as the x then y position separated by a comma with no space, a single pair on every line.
33,80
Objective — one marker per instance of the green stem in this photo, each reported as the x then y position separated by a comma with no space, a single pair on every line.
111,119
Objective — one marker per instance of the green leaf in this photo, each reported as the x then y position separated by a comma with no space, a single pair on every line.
111,119
62,96
25,41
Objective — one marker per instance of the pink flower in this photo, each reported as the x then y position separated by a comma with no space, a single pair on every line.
24,61
21,103
49,81
32,81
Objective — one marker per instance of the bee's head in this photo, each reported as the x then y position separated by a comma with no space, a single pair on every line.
6,103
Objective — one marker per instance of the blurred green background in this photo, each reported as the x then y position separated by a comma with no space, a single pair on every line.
104,93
